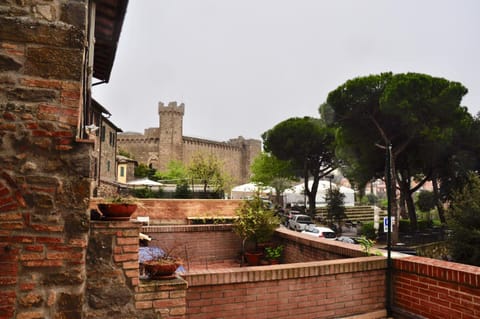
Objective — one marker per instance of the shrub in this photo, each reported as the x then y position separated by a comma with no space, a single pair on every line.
464,221
368,230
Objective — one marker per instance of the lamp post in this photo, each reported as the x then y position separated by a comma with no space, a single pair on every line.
330,177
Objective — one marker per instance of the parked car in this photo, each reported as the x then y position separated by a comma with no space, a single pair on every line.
287,215
298,222
319,232
348,240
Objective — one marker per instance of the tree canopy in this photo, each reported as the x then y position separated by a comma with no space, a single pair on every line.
309,145
209,170
416,114
270,171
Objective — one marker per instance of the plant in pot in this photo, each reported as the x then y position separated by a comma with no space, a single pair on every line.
255,223
117,208
158,263
273,254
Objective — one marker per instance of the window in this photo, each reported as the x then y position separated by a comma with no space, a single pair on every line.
102,134
122,171
108,166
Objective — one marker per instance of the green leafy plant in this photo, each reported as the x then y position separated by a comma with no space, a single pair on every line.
366,244
120,200
273,252
255,222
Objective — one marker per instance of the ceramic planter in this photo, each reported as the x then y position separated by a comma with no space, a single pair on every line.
117,211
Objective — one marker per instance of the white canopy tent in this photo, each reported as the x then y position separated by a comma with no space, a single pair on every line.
250,189
296,194
144,182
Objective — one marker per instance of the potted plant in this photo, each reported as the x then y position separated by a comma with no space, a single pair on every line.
158,263
273,254
117,208
256,223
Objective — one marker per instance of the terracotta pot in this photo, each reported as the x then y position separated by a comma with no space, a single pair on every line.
117,211
274,261
160,269
253,258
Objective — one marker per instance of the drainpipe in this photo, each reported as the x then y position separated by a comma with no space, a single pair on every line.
388,177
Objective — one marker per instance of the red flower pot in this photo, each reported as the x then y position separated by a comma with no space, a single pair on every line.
117,211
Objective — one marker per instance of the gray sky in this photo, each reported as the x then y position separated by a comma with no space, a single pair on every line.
241,67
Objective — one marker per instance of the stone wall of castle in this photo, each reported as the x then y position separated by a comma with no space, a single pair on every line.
158,146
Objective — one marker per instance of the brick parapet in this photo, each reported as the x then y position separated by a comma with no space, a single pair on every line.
284,271
436,289
166,297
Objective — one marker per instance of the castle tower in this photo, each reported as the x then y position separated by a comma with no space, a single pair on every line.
170,133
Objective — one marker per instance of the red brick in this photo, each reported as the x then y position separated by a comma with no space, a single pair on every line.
43,263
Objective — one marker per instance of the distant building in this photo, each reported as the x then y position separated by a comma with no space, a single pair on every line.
103,169
158,146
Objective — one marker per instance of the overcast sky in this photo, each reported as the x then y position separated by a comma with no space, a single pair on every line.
241,67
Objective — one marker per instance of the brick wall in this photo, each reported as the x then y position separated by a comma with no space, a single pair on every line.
113,285
197,245
436,289
44,171
324,289
176,211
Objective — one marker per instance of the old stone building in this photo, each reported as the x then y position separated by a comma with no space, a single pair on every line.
50,51
158,146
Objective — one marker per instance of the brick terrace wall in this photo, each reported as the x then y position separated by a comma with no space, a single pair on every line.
320,289
113,285
176,211
197,244
436,289
325,289
303,248
44,172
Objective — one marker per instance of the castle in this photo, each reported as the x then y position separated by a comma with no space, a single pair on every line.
160,145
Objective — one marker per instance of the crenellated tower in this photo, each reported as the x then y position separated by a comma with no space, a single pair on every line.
170,133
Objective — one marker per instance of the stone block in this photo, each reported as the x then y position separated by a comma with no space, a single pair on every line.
9,64
56,63
28,31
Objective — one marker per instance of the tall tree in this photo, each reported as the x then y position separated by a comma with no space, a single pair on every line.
309,145
270,171
397,111
209,170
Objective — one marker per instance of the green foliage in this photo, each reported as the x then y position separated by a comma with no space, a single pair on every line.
142,170
183,190
335,206
209,170
425,201
147,192
273,252
368,230
369,199
255,222
366,244
270,171
125,153
308,144
175,172
420,116
464,221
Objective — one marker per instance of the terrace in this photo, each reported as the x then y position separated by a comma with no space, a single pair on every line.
317,279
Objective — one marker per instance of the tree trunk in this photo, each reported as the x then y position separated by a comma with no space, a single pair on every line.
393,199
438,201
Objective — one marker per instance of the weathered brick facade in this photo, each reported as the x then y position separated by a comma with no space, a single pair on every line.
158,146
46,65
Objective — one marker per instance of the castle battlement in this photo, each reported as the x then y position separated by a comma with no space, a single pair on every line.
210,143
172,107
